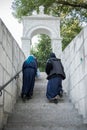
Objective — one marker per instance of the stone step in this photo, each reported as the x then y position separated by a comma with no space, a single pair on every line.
45,115
69,127
38,114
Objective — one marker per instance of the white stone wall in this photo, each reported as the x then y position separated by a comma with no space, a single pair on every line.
74,59
11,59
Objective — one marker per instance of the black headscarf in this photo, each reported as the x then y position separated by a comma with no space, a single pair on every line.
52,55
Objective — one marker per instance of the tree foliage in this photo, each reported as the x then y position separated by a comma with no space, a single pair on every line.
72,13
43,50
58,7
69,30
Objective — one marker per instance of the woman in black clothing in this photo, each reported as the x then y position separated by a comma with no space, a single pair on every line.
55,75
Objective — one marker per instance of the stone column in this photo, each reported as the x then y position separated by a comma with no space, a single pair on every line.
57,47
26,46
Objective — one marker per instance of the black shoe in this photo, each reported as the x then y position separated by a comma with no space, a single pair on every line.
28,97
55,101
22,95
24,98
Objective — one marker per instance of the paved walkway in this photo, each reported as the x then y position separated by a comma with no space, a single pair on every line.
39,114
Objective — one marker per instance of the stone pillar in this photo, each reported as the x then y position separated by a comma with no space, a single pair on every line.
26,46
56,47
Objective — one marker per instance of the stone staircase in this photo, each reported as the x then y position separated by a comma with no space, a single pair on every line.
38,114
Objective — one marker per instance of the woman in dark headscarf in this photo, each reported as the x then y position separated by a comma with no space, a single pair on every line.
55,75
29,69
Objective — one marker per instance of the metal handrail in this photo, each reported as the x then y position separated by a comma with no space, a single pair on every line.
14,77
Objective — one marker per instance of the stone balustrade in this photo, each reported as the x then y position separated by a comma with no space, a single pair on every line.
11,59
74,59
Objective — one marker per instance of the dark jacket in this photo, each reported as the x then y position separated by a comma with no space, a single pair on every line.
55,68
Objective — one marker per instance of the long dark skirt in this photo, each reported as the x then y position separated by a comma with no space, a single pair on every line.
54,87
28,81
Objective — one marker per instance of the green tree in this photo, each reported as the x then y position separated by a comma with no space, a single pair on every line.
69,30
72,13
57,7
43,50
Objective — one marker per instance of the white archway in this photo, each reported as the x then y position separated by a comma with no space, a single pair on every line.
41,24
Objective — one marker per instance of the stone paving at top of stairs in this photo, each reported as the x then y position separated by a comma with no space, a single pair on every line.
38,114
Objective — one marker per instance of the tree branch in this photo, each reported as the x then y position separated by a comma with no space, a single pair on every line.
74,4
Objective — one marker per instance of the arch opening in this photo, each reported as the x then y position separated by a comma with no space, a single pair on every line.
39,30
41,24
41,48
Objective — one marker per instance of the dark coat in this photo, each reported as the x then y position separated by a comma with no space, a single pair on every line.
29,72
55,75
55,68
